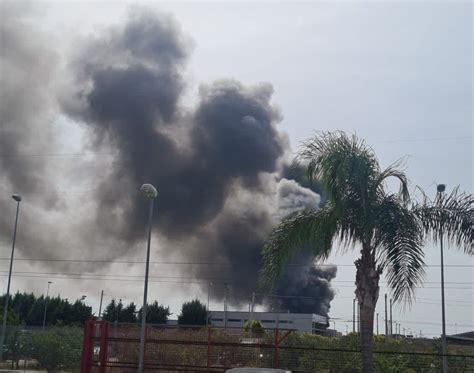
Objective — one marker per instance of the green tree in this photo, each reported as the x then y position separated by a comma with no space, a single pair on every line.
112,311
128,314
22,304
193,313
255,327
30,310
81,312
155,313
360,212
56,349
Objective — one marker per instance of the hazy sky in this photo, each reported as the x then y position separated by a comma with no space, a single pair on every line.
398,74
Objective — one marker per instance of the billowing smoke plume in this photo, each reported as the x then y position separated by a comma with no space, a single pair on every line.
27,110
219,166
304,286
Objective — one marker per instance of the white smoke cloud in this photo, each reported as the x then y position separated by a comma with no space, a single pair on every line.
293,197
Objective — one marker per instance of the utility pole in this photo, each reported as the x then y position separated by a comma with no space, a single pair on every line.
151,193
358,317
46,304
377,323
208,298
17,198
440,190
391,324
353,316
443,310
100,304
253,305
278,314
386,317
225,305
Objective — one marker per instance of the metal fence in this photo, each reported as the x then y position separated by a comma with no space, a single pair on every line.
34,348
115,347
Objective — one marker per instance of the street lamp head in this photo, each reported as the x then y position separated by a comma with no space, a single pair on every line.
50,282
83,297
16,197
441,188
149,190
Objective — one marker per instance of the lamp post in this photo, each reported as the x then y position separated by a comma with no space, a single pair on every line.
150,192
46,304
17,198
440,190
100,305
209,284
225,305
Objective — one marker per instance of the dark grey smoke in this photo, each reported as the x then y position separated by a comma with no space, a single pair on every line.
304,286
27,109
217,165
230,142
307,288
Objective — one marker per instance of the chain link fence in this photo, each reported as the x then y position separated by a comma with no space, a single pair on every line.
115,348
51,349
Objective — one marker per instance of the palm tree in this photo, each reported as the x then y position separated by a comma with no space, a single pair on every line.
360,212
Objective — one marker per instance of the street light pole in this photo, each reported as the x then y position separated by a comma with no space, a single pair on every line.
353,315
46,304
17,198
151,193
208,297
377,323
225,305
100,305
440,189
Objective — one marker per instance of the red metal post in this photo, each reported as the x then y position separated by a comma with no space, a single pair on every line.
275,355
144,347
104,331
86,358
208,348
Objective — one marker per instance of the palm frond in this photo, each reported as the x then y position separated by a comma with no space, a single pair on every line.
399,238
315,229
394,171
340,162
449,216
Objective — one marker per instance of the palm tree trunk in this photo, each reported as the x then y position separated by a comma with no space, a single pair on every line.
367,292
367,335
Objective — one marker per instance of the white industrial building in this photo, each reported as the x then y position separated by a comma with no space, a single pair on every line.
302,322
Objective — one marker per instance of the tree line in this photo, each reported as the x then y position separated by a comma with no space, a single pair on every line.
192,313
28,309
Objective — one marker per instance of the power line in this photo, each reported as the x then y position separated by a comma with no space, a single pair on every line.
428,139
165,279
110,279
437,300
188,278
113,275
417,300
79,154
32,155
198,263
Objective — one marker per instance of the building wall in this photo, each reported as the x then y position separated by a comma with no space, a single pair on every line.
302,322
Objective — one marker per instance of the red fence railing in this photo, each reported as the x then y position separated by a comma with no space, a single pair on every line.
114,348
109,347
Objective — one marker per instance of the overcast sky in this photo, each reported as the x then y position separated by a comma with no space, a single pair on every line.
398,74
